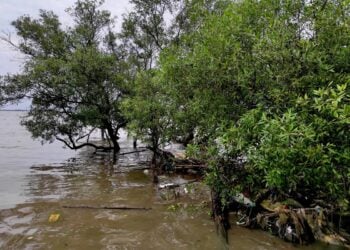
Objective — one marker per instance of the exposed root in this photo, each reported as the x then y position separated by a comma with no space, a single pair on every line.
296,225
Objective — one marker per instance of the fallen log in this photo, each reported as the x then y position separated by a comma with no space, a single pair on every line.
132,169
187,161
189,166
106,207
174,185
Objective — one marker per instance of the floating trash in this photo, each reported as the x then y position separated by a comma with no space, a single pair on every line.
54,218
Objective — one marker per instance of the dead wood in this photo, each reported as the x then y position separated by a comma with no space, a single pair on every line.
106,207
175,185
190,166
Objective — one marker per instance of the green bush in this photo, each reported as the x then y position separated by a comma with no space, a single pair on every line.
306,149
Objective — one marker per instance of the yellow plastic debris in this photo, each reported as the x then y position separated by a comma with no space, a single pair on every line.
54,218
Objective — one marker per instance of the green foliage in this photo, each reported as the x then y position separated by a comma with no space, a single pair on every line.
74,78
236,81
305,149
233,79
253,53
148,110
247,83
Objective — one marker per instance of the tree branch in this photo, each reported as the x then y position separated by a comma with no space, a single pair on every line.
87,144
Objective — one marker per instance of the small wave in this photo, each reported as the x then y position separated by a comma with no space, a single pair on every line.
9,147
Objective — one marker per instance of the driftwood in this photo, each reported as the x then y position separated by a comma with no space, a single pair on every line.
189,166
174,185
106,207
127,170
189,163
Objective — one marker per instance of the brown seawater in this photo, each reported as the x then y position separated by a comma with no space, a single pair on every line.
37,181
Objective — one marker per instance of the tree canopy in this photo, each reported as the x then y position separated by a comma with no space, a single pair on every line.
74,76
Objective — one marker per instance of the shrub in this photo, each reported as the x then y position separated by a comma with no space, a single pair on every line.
305,149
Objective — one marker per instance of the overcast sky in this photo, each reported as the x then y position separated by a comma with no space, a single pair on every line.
10,60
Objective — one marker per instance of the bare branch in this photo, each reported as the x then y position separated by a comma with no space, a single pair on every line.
75,147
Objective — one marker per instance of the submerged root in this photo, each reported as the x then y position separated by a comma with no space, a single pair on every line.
286,218
296,225
288,225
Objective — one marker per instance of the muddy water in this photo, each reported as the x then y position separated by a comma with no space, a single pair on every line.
36,182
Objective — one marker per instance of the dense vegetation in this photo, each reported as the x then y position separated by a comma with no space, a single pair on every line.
256,89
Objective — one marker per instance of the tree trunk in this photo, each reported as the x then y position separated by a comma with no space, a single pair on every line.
116,149
154,168
220,215
103,134
154,149
114,139
134,142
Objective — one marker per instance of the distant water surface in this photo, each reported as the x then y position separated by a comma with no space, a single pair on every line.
19,152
